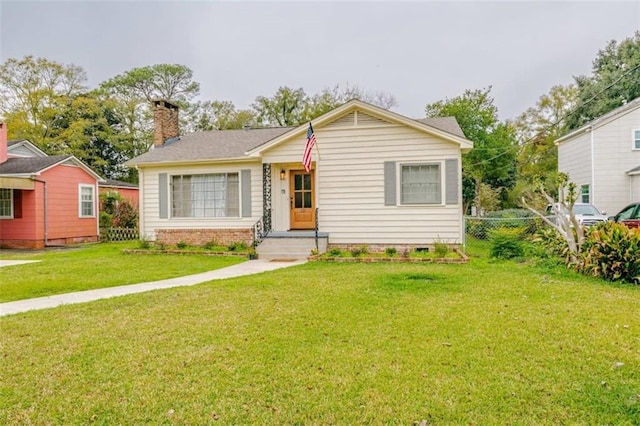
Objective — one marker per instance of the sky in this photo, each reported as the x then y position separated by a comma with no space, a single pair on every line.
418,51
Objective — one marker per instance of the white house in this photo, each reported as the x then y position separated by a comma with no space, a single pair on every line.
603,158
377,178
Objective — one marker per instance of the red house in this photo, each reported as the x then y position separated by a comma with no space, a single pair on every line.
45,200
128,191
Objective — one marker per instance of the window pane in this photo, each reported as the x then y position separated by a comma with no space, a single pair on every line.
307,199
420,184
86,201
297,182
298,200
210,195
584,193
5,202
307,182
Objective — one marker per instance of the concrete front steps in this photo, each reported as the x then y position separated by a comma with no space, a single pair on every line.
291,245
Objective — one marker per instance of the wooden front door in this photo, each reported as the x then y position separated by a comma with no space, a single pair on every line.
303,211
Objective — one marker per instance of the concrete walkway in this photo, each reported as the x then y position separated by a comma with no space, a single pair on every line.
245,268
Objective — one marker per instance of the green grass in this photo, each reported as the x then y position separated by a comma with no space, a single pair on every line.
94,266
483,343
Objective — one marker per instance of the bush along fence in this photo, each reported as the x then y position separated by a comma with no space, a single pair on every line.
610,250
118,234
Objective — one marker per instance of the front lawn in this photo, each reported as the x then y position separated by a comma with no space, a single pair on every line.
94,266
482,343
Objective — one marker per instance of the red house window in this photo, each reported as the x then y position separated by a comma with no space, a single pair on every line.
6,203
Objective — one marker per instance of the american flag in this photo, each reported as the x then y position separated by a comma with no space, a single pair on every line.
311,141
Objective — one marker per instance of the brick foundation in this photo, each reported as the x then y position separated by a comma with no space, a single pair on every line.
40,244
200,237
380,248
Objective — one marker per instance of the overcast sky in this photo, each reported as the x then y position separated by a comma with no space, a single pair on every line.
419,52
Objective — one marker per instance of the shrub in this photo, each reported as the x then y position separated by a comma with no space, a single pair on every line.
506,243
356,251
552,243
611,251
181,245
335,252
441,249
210,245
237,246
144,244
390,251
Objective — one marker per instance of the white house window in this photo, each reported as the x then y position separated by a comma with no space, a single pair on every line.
6,203
584,194
420,184
87,201
210,195
636,139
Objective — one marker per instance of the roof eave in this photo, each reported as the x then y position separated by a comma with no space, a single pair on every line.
352,105
191,162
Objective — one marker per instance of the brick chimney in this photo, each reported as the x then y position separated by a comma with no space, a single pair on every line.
165,122
3,142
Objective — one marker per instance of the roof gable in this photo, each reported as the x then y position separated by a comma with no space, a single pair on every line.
37,165
23,148
352,111
247,144
602,120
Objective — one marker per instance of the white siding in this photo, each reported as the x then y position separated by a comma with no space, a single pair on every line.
574,158
149,207
614,156
350,182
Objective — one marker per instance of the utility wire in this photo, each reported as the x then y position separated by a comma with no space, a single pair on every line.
563,117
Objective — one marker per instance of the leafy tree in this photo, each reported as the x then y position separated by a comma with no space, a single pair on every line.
289,107
33,91
492,160
217,115
133,92
160,81
286,108
87,128
537,129
613,82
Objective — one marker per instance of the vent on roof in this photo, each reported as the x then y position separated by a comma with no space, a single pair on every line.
348,120
367,120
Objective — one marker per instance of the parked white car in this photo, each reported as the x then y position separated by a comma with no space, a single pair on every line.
586,214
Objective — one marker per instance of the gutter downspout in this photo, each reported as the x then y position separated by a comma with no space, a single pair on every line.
46,215
592,192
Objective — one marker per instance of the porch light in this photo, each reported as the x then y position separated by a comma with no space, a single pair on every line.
282,174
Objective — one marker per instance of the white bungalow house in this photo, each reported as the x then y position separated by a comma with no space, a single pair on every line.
377,178
603,158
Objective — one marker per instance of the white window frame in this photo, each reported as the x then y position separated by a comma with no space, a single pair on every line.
588,193
635,139
10,216
440,165
172,210
81,201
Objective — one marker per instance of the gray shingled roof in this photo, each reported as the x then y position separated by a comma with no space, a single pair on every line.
221,144
30,164
447,124
119,183
212,145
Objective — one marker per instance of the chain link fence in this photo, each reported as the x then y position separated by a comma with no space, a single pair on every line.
483,228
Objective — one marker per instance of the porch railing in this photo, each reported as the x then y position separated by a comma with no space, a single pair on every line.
316,229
